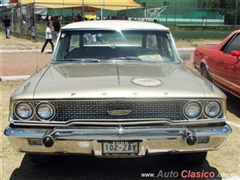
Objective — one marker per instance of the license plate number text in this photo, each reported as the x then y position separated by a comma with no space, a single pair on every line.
120,147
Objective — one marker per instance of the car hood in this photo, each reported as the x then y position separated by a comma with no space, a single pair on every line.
119,80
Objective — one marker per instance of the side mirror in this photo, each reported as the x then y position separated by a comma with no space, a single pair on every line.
185,57
236,53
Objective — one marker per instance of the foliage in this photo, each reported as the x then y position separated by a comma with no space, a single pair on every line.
223,4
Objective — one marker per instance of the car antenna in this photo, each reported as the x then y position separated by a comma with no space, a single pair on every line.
37,69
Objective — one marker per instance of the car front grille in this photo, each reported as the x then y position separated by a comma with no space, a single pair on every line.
166,109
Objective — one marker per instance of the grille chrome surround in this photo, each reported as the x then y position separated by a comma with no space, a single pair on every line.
98,109
80,110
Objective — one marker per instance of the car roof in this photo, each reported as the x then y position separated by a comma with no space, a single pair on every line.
114,25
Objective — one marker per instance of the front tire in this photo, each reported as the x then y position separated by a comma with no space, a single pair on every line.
38,159
195,159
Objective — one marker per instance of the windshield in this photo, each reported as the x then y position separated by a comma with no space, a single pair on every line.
127,45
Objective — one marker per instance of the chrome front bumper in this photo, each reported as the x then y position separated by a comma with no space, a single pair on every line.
88,140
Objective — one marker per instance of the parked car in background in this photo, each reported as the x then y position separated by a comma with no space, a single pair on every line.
221,63
127,96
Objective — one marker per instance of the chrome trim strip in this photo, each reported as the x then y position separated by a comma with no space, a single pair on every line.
118,73
130,122
196,66
169,131
227,90
26,87
100,132
216,76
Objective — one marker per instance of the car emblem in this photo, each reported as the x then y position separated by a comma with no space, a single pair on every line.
119,112
149,82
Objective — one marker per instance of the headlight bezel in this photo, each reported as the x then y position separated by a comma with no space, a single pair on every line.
188,104
218,114
204,103
17,114
46,104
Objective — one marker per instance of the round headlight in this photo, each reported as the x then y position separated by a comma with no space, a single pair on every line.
23,110
192,110
45,111
213,109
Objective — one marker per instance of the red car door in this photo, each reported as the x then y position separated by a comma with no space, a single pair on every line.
228,67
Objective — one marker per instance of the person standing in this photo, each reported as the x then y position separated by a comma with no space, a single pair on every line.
7,23
48,37
56,26
99,38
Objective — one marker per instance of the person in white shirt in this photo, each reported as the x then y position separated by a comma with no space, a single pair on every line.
93,39
48,37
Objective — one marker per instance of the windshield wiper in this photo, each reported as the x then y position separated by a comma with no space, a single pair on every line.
127,58
78,60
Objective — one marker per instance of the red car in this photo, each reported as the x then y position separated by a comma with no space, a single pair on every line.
221,63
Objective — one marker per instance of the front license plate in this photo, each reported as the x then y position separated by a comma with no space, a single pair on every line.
120,147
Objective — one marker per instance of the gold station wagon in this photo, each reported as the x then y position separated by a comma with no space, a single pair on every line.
117,89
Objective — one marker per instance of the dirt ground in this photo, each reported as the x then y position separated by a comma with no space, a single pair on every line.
15,166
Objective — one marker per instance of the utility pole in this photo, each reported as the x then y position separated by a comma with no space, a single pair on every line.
101,9
236,14
144,6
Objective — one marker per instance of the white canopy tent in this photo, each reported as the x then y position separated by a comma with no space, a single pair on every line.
40,10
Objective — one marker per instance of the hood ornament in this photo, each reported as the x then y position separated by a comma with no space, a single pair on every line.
148,82
119,112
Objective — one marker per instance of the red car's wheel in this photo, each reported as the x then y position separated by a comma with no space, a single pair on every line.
205,73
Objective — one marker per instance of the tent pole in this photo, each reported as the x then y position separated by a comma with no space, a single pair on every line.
83,8
62,12
101,9
34,22
21,23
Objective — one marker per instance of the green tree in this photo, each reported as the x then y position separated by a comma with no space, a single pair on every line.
224,7
211,4
231,4
220,4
